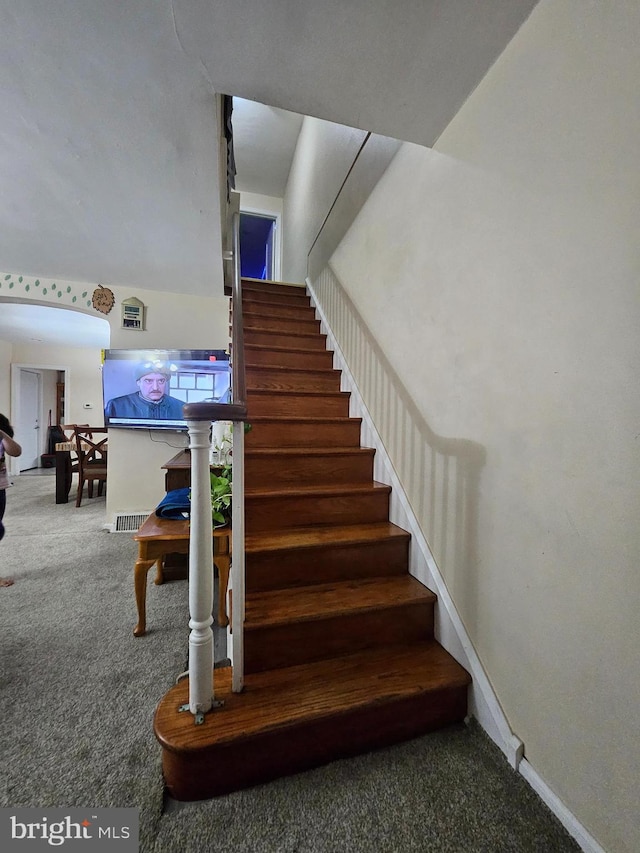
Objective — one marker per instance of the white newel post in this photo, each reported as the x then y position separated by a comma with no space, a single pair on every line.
200,572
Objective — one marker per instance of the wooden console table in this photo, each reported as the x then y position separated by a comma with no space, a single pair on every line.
178,470
158,537
178,476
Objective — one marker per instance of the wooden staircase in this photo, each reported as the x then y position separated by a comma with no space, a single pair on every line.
340,655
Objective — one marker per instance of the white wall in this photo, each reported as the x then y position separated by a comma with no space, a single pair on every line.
322,158
84,381
6,350
173,321
49,389
499,274
83,378
136,479
333,171
262,203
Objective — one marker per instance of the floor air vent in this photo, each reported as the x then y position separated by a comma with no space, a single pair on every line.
128,522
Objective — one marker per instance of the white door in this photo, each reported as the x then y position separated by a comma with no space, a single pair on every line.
28,433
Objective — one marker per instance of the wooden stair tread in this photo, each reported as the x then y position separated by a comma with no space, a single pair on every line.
321,491
302,419
281,311
254,316
290,452
321,601
303,430
259,365
310,537
293,334
282,325
270,338
267,287
268,348
283,698
308,327
257,298
286,392
253,288
277,368
300,336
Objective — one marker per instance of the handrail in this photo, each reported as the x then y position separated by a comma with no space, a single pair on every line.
335,201
367,167
199,417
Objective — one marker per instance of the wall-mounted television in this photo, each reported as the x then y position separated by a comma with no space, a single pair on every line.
147,388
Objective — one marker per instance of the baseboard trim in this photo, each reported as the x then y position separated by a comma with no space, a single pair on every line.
573,826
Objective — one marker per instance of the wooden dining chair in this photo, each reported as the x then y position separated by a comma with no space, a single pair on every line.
92,460
70,431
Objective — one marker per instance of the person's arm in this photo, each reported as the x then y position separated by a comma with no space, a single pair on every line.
11,447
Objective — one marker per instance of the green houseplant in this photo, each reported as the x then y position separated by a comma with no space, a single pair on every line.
222,452
221,496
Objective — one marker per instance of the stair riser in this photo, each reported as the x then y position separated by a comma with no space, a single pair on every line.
251,296
298,406
314,342
314,360
316,639
285,512
280,569
257,760
283,311
286,434
265,471
267,379
280,324
268,289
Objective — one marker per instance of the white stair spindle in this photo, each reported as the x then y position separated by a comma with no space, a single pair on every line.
237,562
200,572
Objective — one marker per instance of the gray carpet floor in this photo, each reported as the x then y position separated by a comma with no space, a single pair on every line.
78,693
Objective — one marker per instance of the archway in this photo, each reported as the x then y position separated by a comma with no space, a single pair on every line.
41,360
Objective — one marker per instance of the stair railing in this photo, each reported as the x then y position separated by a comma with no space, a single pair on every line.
199,417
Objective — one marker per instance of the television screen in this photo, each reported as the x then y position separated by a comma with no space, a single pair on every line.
146,389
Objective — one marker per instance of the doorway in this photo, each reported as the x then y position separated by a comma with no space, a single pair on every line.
38,394
28,421
259,256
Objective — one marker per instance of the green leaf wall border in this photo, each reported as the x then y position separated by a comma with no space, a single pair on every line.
71,293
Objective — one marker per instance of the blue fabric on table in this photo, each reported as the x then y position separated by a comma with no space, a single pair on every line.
175,504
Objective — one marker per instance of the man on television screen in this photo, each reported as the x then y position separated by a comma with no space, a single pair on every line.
151,399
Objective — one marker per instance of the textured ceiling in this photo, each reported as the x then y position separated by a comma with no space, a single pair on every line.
107,121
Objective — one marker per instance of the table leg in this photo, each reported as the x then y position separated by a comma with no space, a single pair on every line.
64,476
140,570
